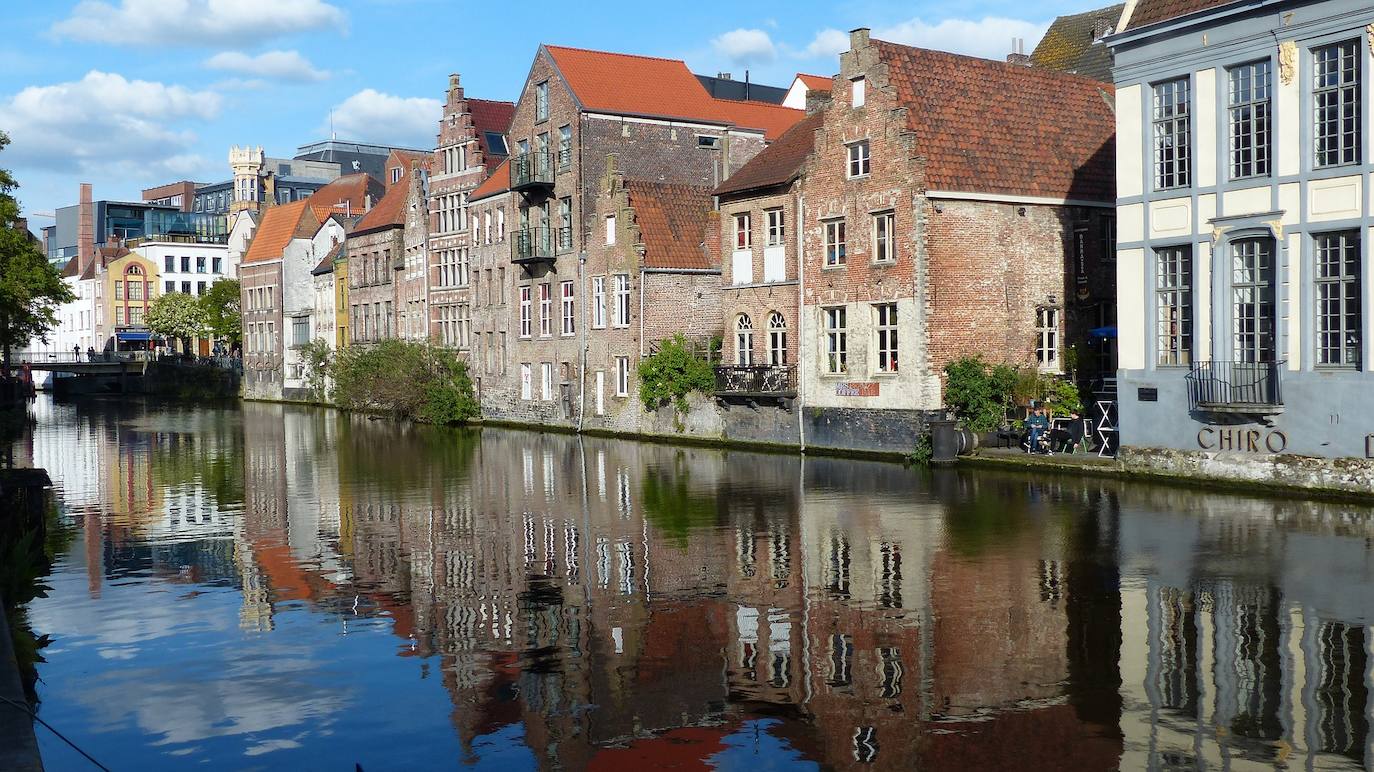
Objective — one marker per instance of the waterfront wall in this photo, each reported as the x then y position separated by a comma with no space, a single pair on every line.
1282,470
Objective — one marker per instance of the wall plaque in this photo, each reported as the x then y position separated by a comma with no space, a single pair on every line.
856,389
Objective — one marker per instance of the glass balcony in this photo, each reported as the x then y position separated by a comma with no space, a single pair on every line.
532,245
532,173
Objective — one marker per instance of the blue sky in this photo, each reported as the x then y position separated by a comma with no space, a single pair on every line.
127,94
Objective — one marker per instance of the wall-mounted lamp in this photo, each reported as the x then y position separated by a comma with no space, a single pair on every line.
1021,210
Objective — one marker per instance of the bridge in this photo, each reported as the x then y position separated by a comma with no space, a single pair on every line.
100,363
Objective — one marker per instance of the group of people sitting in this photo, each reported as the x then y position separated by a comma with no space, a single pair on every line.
1042,436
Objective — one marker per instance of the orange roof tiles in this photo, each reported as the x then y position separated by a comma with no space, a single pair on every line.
390,212
816,82
672,221
280,224
626,84
780,162
992,127
497,182
354,191
490,116
402,158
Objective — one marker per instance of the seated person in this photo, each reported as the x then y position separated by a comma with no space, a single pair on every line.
1068,438
1037,423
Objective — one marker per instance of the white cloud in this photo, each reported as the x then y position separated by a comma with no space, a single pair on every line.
372,116
989,37
195,22
105,121
278,65
746,46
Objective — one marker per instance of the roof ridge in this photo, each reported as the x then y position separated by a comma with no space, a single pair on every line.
1040,72
489,101
615,53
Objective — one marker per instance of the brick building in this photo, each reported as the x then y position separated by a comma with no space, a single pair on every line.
577,108
953,206
483,326
471,144
375,250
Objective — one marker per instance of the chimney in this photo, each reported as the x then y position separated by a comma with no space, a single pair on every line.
85,229
455,92
1018,53
858,38
723,75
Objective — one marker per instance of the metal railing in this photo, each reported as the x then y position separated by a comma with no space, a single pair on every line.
531,244
531,170
756,380
1236,386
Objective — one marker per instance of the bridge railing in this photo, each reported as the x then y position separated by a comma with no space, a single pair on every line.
71,357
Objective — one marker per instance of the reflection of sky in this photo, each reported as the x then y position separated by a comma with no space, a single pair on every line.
751,747
153,676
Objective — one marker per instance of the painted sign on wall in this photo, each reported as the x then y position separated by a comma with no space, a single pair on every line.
858,389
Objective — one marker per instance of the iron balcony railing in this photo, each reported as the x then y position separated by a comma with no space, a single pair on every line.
1236,387
756,381
531,171
531,245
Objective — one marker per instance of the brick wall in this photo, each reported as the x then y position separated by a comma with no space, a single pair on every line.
371,276
262,370
456,130
757,298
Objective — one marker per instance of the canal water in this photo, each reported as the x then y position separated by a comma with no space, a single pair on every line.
273,587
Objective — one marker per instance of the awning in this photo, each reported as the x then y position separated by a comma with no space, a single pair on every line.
129,335
1103,332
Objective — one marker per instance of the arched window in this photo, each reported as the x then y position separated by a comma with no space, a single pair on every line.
134,270
744,341
777,339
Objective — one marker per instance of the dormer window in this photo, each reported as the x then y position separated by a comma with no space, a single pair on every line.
856,92
707,141
395,174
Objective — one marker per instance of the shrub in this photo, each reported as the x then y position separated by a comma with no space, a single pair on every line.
318,357
403,379
672,373
923,452
980,395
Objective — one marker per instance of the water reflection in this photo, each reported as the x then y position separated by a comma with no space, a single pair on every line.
282,585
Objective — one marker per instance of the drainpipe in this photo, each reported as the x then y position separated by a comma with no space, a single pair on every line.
641,312
582,352
801,338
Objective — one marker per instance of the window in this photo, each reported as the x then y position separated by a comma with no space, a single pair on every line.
1339,321
744,341
777,232
300,331
200,288
598,301
1250,115
1172,135
620,286
707,141
1108,239
486,227
546,381
858,158
836,341
569,325
856,92
500,225
169,263
1336,100
565,224
541,101
524,312
883,248
217,265
545,310
777,340
461,264
622,376
185,264
834,243
610,229
1252,300
135,290
1174,305
135,314
462,323
186,288
743,239
200,263
887,336
564,147
526,387
1047,337
171,286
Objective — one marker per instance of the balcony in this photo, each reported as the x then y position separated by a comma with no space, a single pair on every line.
756,381
1252,388
532,173
532,245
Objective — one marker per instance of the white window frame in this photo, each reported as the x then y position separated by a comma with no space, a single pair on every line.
526,308
622,376
884,245
1047,338
744,341
546,381
568,306
835,247
620,286
857,92
886,338
776,227
599,302
835,339
860,163
545,310
610,230
744,238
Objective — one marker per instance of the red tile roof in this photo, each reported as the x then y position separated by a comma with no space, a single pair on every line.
280,224
490,115
672,221
992,127
355,190
402,158
816,82
780,162
73,267
625,84
390,212
497,182
1152,11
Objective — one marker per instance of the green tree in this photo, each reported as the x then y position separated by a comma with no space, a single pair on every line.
177,315
31,289
220,304
672,373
